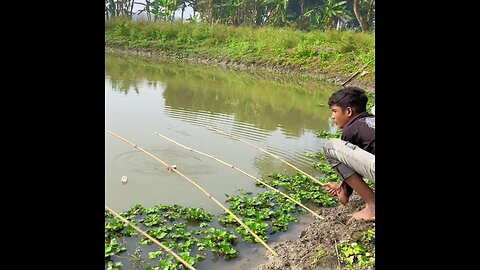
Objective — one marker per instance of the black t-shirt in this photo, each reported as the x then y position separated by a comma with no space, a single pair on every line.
361,132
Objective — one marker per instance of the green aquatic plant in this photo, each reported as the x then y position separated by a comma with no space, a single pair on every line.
270,212
114,266
182,229
355,255
113,247
188,231
329,135
360,252
299,186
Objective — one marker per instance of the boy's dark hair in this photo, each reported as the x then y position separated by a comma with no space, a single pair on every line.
349,97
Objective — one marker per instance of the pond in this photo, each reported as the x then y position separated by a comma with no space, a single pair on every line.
180,100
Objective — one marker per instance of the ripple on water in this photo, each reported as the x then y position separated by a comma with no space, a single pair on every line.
185,162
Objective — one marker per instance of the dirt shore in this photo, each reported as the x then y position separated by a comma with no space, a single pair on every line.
320,237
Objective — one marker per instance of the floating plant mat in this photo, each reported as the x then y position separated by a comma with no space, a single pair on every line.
187,235
195,234
257,238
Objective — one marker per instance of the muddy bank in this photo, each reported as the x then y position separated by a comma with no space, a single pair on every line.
315,247
330,77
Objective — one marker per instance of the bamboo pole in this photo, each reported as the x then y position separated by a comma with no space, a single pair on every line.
247,174
199,187
355,74
151,238
266,152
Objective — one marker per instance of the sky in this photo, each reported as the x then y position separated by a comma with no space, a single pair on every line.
178,14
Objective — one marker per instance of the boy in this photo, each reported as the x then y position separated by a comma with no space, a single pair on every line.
352,156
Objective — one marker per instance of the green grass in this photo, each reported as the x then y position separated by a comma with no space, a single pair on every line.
328,52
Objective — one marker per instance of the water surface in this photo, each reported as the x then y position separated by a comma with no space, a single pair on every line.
279,113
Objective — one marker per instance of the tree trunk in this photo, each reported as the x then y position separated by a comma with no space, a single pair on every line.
301,15
370,12
112,8
360,19
131,8
106,11
210,5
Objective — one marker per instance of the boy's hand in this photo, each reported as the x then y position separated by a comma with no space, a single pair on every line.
337,190
333,188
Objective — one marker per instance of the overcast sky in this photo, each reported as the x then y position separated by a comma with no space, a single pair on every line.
178,13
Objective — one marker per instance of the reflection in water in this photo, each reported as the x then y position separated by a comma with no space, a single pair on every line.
264,100
277,113
144,96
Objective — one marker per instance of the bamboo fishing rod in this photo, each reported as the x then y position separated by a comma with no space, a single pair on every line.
151,238
266,152
356,73
247,174
199,187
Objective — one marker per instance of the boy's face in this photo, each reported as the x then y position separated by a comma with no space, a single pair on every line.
341,117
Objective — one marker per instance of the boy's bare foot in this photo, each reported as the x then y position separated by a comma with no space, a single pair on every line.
366,213
338,190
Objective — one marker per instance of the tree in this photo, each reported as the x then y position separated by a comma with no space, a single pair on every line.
327,15
359,7
331,11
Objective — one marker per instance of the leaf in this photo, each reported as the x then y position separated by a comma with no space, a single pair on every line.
162,235
153,255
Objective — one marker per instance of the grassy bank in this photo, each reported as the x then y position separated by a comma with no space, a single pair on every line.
333,55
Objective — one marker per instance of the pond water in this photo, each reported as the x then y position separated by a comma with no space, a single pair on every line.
278,113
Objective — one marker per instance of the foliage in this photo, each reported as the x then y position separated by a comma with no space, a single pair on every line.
266,213
371,101
271,212
329,135
355,255
114,266
369,236
182,229
327,15
303,15
339,53
360,253
112,247
119,8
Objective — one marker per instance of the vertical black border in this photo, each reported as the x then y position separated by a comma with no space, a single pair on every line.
423,94
56,200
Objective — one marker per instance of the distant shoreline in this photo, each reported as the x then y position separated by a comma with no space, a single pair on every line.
329,77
